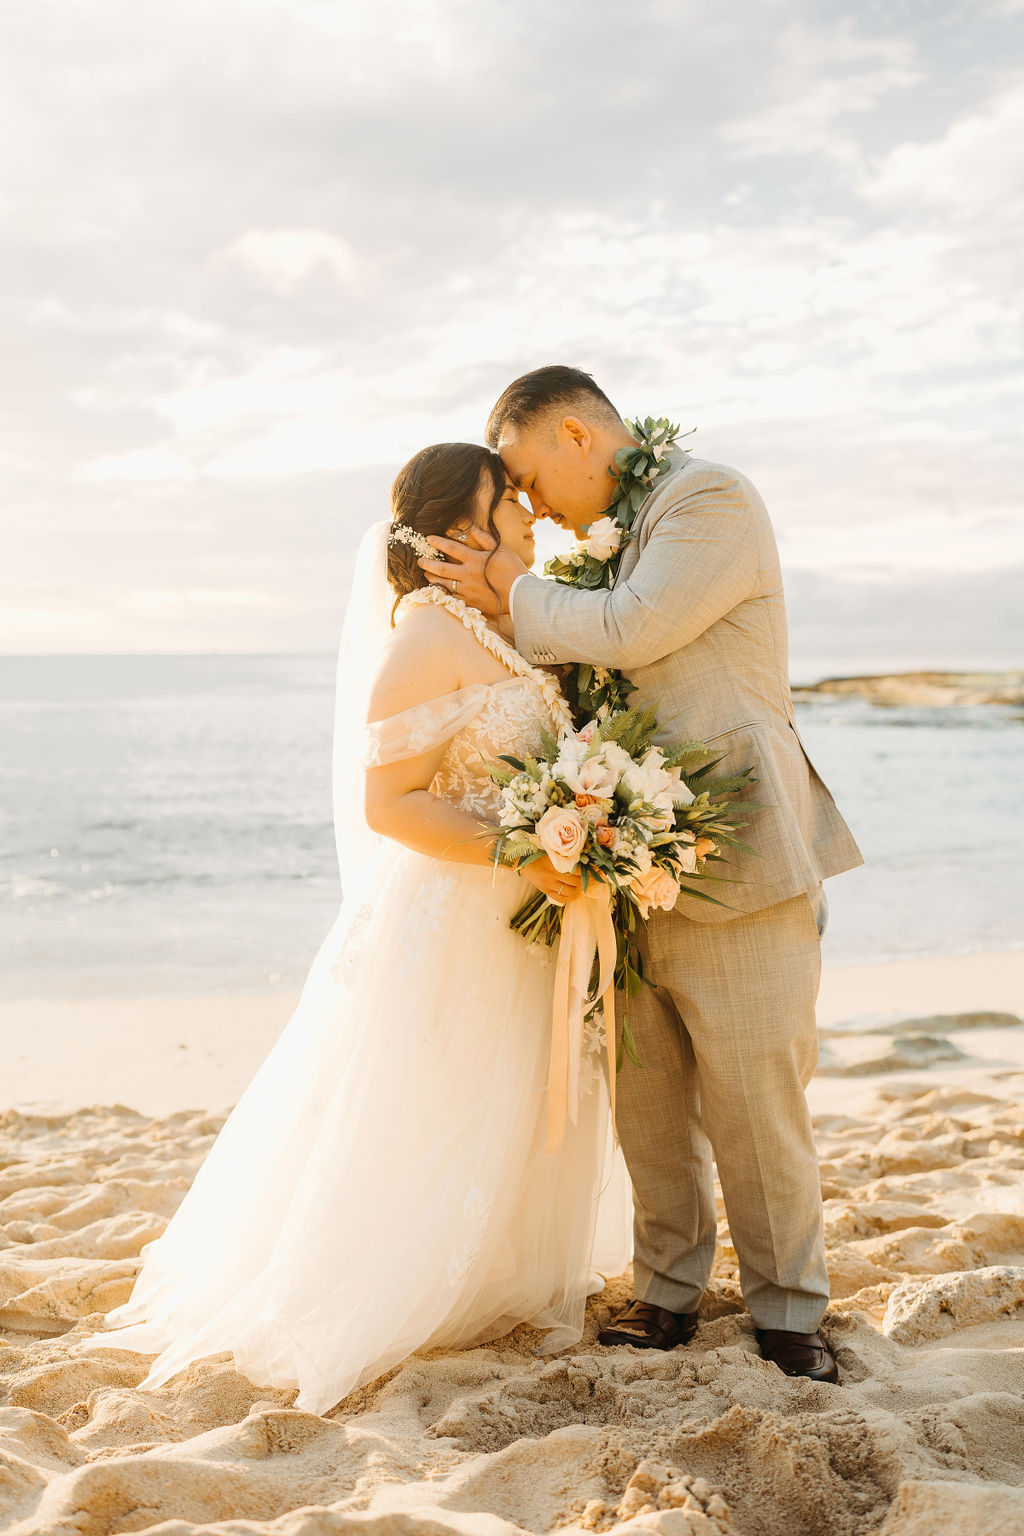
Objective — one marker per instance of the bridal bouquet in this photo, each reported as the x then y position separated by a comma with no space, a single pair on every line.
641,823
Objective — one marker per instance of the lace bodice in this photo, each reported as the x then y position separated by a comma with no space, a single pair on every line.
510,721
480,722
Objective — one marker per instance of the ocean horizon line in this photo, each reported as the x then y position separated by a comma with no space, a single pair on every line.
832,669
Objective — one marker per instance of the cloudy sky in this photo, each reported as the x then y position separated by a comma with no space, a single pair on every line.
256,252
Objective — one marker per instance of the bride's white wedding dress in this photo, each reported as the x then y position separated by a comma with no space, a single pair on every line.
382,1183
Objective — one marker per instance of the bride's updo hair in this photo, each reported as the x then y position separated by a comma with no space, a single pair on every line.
434,492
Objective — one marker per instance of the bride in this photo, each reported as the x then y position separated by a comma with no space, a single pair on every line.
382,1184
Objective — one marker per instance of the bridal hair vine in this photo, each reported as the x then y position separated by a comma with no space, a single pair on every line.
401,533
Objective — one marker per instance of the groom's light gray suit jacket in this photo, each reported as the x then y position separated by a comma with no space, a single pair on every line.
697,620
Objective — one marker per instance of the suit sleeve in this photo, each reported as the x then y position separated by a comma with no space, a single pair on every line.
700,561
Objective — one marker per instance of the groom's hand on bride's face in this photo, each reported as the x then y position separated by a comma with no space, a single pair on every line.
465,566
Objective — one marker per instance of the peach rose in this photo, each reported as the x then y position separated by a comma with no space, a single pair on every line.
606,835
703,846
654,889
562,833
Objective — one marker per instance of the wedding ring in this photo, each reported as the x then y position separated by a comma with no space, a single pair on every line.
454,585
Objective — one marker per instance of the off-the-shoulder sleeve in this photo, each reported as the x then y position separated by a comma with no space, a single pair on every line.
420,728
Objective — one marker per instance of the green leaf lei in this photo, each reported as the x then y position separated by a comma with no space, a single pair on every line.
594,563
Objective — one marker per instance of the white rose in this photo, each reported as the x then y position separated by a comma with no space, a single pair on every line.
570,745
681,793
571,752
594,778
603,538
615,756
646,781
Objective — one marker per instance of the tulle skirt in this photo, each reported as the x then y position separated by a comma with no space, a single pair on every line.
382,1183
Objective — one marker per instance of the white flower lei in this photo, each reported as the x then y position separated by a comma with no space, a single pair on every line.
594,563
595,560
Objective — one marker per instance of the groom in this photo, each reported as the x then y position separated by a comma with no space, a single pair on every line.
728,1039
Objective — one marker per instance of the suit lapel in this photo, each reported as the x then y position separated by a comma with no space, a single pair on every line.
679,460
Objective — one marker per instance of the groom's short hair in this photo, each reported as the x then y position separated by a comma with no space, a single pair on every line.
537,393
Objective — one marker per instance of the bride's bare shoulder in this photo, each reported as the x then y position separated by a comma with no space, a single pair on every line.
424,658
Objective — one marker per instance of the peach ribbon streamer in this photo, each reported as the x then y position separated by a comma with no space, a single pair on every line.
586,929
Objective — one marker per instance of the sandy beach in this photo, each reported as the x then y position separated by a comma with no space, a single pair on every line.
917,1110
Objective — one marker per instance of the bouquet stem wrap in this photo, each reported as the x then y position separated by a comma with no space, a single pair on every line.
587,929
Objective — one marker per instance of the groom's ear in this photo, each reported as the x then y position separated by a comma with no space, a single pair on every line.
575,433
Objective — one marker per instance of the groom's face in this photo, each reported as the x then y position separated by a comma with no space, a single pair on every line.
555,463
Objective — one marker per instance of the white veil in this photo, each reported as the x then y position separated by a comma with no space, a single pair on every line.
364,635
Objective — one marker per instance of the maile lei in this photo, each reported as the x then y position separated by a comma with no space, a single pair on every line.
594,563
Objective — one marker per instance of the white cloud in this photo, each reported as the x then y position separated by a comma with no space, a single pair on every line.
826,77
283,258
255,256
975,169
139,464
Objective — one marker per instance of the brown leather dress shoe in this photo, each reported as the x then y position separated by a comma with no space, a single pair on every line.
649,1327
798,1354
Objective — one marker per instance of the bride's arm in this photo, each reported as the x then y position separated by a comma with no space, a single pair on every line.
425,661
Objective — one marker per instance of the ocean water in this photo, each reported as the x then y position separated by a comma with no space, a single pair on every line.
165,825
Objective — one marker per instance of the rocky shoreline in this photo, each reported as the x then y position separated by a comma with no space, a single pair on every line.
930,688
